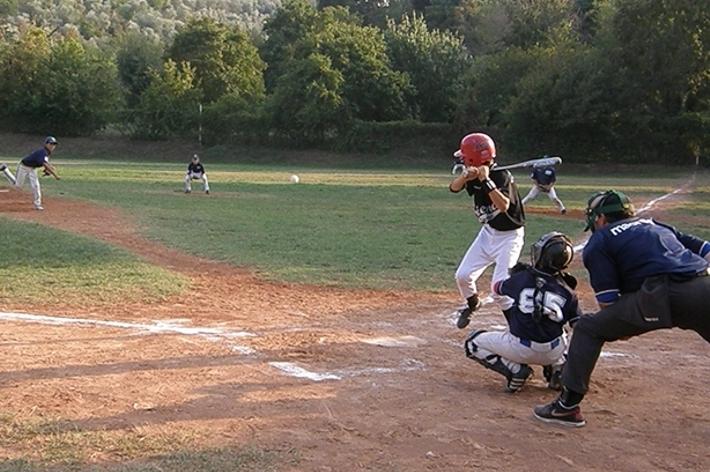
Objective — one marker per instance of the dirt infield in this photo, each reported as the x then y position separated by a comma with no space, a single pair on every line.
351,379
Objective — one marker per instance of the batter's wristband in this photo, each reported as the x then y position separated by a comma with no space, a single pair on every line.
489,185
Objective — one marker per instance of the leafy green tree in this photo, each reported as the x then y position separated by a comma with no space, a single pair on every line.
435,61
170,104
225,60
66,87
308,105
22,63
660,69
372,90
137,55
284,29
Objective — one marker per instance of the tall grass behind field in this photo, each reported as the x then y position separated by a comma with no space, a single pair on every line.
377,229
40,264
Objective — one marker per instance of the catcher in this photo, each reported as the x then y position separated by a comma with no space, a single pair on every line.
196,171
544,179
538,300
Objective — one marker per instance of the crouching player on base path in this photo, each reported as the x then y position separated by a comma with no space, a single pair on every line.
496,203
646,276
196,171
538,300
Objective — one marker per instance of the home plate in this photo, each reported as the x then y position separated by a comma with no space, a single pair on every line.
399,341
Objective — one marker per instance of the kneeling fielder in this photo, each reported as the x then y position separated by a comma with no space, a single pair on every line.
540,299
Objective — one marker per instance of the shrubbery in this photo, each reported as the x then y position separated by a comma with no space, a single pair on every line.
585,79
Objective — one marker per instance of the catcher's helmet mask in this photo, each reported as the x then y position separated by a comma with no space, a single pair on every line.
552,253
606,203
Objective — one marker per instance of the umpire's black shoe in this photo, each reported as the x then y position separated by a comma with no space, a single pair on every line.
557,414
517,380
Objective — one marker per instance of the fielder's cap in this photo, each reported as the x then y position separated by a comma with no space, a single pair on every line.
51,140
605,203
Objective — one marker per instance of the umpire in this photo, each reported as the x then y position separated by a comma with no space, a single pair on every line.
646,276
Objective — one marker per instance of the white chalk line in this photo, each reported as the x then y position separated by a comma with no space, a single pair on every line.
222,335
295,370
158,327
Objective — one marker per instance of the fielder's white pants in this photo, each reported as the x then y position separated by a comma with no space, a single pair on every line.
189,178
24,172
491,246
513,353
535,191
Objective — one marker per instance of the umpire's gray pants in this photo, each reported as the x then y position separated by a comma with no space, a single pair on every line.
660,303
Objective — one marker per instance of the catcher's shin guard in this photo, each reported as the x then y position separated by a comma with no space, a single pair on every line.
486,359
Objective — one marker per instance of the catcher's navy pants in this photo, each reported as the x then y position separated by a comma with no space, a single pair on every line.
662,302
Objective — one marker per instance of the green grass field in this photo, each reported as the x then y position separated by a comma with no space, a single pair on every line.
378,229
41,263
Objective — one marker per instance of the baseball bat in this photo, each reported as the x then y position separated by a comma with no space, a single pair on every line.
540,162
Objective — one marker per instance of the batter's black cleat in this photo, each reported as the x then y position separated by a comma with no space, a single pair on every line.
465,313
555,413
517,380
563,211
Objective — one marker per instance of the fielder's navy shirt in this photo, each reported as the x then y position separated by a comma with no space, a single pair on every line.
36,159
620,256
544,175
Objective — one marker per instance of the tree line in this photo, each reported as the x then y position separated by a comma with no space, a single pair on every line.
595,79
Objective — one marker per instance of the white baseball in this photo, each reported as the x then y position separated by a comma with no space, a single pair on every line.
294,179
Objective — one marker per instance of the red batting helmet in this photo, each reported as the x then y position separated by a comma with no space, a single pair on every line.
477,149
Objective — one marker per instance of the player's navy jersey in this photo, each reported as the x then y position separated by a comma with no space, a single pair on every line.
195,168
620,256
486,211
543,175
556,296
37,159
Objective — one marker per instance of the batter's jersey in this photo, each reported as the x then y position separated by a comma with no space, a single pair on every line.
553,293
193,168
37,159
486,211
620,256
543,175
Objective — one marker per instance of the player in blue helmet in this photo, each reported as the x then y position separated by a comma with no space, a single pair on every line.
537,300
646,276
544,180
27,169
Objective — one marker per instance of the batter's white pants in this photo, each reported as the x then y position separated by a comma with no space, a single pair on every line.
24,172
535,191
491,246
189,178
513,352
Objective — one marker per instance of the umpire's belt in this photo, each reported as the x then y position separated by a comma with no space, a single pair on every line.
548,345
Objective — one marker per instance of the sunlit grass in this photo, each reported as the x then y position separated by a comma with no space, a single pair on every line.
380,228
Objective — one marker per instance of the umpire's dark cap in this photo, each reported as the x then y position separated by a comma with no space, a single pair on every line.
606,203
